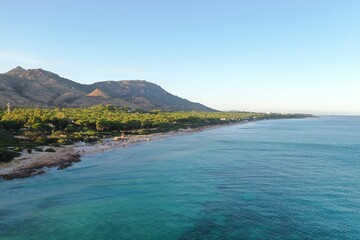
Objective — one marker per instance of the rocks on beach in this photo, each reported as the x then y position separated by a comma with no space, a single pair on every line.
62,159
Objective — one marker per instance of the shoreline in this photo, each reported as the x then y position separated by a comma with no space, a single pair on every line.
31,164
110,144
36,163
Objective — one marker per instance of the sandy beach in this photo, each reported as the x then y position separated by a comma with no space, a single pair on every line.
35,163
110,144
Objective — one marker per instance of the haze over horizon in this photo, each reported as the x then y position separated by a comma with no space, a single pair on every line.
278,56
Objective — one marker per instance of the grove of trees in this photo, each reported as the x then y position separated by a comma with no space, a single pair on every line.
42,126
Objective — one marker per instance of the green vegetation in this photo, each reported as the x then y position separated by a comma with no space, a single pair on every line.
59,126
7,155
9,145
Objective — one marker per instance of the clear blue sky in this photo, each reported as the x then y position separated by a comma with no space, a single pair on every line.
256,55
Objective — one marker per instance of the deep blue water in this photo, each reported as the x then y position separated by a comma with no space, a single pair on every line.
279,179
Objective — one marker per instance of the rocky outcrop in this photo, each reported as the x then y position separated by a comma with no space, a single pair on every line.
61,160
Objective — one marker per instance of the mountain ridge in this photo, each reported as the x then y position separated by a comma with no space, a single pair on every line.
41,88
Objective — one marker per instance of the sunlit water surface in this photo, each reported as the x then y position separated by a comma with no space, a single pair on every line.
279,179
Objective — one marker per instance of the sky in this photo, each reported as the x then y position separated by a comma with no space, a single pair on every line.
254,55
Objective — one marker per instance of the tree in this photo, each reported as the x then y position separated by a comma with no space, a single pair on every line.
70,128
41,127
102,125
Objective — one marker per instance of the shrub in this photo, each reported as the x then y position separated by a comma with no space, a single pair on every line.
58,134
71,128
63,141
91,139
7,155
49,150
51,140
41,127
40,140
18,149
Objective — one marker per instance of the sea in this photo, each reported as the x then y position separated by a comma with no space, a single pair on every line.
272,179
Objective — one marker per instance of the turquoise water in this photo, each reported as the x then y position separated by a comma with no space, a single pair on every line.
283,179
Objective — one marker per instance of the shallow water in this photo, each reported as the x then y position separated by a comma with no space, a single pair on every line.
283,179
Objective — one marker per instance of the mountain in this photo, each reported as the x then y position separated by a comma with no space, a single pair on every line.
16,71
40,88
98,93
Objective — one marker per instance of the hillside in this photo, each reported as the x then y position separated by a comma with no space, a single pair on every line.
40,88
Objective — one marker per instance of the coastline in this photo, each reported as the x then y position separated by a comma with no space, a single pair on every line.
31,164
36,163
